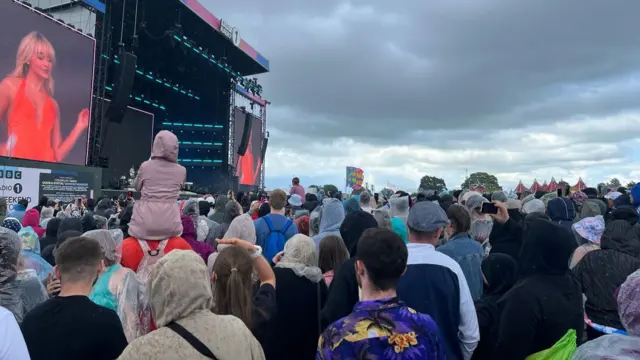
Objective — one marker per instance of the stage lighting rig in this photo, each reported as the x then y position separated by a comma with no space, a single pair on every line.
186,44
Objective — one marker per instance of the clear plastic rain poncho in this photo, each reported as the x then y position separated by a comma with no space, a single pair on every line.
618,346
481,224
19,291
31,253
399,207
117,287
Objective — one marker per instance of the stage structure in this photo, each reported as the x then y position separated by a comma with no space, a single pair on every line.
191,67
245,102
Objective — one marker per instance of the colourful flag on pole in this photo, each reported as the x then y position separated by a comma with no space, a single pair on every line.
355,177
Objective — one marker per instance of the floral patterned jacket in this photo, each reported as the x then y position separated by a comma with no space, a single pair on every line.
382,329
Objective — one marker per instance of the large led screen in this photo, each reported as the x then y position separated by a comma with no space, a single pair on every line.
249,165
46,72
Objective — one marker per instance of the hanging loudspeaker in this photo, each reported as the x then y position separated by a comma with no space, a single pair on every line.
124,84
246,133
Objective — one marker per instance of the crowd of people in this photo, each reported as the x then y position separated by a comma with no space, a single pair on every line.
320,276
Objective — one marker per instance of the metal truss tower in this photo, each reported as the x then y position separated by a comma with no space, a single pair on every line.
103,54
263,117
232,133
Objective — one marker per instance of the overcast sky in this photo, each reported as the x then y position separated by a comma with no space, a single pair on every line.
521,89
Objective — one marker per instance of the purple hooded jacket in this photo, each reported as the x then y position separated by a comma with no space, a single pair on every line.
189,235
156,216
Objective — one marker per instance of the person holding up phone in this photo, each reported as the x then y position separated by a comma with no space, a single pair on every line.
53,286
481,223
489,208
506,234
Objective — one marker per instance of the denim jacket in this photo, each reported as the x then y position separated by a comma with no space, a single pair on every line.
468,254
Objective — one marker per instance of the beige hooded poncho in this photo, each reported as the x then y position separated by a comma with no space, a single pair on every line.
180,291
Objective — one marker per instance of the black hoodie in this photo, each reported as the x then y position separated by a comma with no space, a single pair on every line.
546,302
343,293
41,203
50,256
507,238
310,202
51,235
501,273
204,207
88,223
601,272
70,227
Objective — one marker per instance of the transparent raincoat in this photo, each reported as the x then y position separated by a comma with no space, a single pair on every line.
118,288
31,253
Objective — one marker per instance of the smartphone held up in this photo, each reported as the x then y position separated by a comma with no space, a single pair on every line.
489,208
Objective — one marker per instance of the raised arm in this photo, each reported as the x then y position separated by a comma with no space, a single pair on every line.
260,264
61,148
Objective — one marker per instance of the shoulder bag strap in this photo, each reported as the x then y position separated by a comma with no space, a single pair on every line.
319,309
192,340
268,222
287,225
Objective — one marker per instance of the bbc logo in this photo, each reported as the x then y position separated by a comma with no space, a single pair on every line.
11,174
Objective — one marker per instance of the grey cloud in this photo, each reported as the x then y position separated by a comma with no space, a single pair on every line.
481,76
475,64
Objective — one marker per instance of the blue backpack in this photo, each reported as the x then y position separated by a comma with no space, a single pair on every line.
276,239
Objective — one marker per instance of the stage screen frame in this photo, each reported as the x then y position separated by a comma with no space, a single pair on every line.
75,55
255,145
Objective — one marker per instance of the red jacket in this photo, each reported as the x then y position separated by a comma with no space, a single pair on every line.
132,252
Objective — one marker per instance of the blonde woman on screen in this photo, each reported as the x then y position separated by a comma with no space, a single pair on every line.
33,116
248,175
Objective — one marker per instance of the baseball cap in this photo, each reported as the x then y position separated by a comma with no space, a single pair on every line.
426,216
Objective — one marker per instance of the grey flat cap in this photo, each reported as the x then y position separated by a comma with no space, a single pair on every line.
426,216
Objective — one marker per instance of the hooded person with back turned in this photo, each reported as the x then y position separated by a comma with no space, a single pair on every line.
601,272
181,299
156,216
545,306
155,224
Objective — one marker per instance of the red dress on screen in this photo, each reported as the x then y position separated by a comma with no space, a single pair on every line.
31,140
247,176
